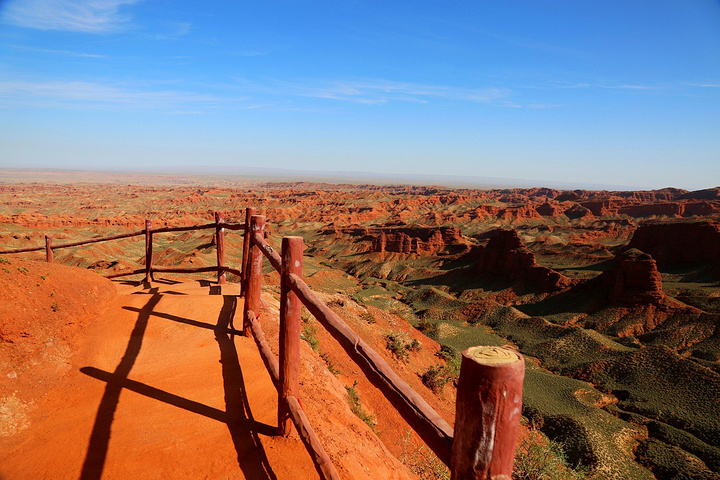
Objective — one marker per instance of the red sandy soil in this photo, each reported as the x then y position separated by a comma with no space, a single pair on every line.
143,384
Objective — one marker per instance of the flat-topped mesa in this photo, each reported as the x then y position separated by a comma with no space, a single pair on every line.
417,240
635,279
672,243
506,255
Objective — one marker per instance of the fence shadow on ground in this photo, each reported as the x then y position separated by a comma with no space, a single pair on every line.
244,430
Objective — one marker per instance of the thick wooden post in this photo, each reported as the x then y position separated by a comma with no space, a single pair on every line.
48,249
220,242
148,250
290,305
254,279
249,212
488,406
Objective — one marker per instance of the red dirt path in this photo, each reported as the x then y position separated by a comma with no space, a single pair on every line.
150,388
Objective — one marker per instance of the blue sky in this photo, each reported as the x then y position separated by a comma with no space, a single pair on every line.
580,92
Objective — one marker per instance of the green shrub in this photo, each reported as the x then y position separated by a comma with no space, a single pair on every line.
356,406
446,352
330,365
534,461
396,343
397,346
309,335
428,328
437,376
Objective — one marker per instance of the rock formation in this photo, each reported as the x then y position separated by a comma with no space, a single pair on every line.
418,240
506,255
635,279
671,243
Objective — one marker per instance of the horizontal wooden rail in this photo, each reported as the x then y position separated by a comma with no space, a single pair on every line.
268,251
22,250
229,226
431,427
271,363
76,244
234,271
232,226
183,270
148,231
100,239
205,226
186,228
126,273
320,458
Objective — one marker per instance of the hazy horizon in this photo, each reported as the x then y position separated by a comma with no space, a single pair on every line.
224,176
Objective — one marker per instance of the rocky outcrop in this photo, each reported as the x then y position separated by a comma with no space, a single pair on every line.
417,240
548,209
672,243
578,211
506,255
601,208
706,194
518,213
635,279
404,239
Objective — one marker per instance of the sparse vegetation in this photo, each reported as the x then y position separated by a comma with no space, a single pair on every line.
55,306
399,346
422,461
535,461
446,352
429,328
437,376
23,270
330,364
5,260
357,408
309,335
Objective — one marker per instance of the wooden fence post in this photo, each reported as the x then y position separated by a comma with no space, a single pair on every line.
254,279
290,306
220,242
249,212
148,250
487,419
48,249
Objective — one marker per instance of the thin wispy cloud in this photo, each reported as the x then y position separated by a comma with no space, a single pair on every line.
79,94
54,51
381,91
175,31
250,53
632,87
612,86
88,16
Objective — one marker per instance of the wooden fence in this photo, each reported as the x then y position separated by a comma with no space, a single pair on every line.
149,269
489,387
